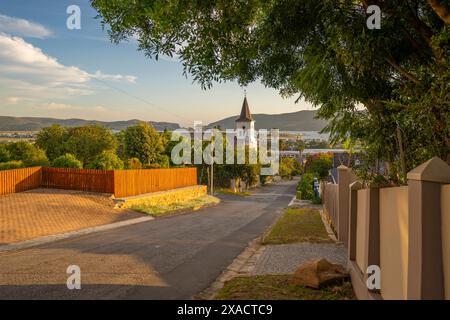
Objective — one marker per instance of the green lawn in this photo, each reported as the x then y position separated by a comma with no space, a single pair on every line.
177,207
279,287
298,225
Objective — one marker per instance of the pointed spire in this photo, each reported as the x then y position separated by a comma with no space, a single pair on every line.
245,116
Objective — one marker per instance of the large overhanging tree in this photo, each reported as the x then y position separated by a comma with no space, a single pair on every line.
389,89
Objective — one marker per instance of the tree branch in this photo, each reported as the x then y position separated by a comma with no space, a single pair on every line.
441,10
402,71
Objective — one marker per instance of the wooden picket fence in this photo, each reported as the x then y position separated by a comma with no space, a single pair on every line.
19,180
134,182
121,183
78,179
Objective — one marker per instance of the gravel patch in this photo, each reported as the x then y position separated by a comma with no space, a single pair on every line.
281,259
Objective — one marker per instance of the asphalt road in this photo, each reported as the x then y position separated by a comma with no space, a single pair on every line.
168,258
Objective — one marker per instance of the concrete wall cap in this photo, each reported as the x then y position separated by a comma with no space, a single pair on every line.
434,170
356,185
342,167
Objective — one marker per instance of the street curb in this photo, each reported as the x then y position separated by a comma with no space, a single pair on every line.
60,236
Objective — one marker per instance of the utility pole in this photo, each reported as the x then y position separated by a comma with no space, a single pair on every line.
212,178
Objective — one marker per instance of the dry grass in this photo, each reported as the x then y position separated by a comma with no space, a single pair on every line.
279,287
177,207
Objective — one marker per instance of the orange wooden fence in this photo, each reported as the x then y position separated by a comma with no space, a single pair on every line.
134,182
18,180
79,179
121,183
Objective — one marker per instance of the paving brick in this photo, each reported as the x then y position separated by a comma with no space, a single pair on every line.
42,212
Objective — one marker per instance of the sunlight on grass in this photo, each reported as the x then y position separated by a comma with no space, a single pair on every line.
279,287
230,192
191,205
298,225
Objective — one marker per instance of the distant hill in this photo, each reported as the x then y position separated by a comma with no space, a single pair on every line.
296,121
36,124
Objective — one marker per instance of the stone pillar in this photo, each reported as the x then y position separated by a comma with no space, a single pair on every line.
425,265
353,204
372,241
344,180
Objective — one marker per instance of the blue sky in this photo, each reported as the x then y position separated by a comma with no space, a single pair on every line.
47,70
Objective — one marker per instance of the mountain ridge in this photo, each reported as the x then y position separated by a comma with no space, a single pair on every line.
303,120
37,123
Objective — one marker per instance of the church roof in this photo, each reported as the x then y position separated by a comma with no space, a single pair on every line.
245,116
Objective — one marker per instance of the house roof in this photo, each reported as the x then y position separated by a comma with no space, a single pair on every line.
245,116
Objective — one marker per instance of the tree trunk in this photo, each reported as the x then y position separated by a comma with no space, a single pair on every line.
441,10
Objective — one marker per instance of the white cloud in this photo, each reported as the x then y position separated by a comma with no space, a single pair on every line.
22,27
26,70
114,77
55,106
12,100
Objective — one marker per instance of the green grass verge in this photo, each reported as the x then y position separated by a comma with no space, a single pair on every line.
178,207
230,192
279,287
298,225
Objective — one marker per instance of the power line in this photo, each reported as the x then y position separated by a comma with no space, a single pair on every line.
141,99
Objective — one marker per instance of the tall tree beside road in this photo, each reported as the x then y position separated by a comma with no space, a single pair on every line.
388,89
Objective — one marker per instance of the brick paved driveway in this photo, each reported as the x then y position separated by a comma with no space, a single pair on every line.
42,212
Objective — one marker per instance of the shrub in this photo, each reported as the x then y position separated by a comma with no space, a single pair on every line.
319,165
36,157
11,165
163,160
5,155
289,167
133,164
152,166
305,187
107,160
67,161
28,153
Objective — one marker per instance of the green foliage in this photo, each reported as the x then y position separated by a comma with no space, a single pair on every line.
143,142
88,142
163,160
53,140
107,160
317,144
5,155
11,165
152,166
292,145
28,153
305,187
67,161
321,51
298,225
319,165
289,167
133,164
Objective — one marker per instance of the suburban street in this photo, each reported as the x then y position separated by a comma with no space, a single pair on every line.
167,258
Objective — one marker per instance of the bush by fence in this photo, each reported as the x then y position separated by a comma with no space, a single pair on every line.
121,183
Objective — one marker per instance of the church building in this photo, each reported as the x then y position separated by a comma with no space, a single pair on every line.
246,124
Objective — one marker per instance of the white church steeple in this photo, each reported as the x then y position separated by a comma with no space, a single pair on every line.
246,123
